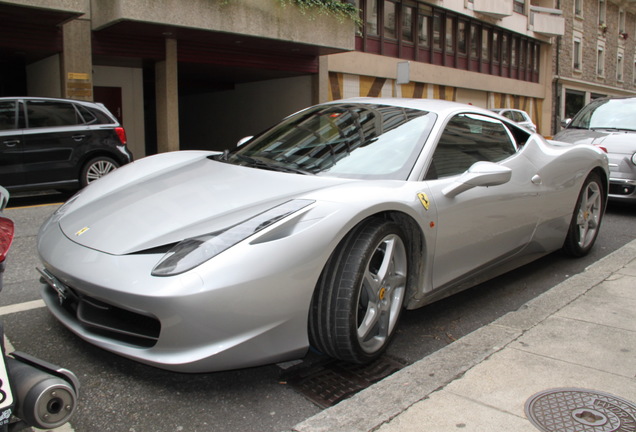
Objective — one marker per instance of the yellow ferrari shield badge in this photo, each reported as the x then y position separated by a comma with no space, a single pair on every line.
424,200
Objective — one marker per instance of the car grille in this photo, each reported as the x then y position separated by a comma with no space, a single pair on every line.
110,321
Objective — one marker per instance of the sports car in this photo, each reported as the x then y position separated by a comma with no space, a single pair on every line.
316,233
611,124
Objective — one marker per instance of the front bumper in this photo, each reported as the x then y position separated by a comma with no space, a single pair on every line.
622,189
200,321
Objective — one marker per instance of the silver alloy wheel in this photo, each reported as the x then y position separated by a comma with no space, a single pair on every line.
99,169
382,293
589,214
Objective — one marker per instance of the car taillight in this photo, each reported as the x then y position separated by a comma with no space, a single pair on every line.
121,133
6,236
602,148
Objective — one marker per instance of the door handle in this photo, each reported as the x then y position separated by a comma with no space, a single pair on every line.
78,137
11,143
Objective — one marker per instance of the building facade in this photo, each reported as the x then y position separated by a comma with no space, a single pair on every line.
490,53
201,74
597,54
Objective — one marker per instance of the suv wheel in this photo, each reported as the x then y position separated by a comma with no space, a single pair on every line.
96,168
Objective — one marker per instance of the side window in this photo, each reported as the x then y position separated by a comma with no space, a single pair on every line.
469,138
51,114
89,117
100,116
7,115
509,115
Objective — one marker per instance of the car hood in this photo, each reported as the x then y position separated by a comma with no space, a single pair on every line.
164,207
613,141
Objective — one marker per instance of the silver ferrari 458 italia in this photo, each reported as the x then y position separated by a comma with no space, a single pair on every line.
317,232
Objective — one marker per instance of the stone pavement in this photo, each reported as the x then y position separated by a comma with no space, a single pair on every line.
565,361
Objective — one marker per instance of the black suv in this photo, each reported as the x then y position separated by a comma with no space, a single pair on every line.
57,143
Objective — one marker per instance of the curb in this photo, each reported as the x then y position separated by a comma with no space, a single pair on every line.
378,404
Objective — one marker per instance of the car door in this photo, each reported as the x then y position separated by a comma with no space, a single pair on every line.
11,167
54,137
479,227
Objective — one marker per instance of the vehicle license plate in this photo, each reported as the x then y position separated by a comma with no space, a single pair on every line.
6,395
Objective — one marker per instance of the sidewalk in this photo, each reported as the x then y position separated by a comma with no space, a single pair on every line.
576,342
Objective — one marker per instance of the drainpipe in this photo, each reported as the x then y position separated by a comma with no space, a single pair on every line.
556,91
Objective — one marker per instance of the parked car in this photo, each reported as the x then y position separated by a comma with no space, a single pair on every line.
517,116
611,124
57,143
317,232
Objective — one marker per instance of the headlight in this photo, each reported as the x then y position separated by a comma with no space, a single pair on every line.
193,252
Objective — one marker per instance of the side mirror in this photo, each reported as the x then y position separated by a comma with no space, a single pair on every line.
566,122
4,198
243,141
479,174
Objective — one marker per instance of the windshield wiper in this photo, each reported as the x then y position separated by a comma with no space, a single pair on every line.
612,128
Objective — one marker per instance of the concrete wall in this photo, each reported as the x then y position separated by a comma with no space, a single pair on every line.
216,121
130,81
262,18
43,77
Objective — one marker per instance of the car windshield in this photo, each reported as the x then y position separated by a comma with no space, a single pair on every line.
607,114
366,141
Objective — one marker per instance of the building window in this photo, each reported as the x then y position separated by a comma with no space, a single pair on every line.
371,17
621,21
619,67
407,23
474,42
442,37
601,13
450,35
462,37
574,101
578,8
577,54
437,31
519,6
485,48
389,20
600,61
495,46
423,25
504,49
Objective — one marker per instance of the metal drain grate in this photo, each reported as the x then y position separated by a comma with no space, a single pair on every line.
579,410
328,382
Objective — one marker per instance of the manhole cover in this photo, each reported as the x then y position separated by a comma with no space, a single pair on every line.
579,410
331,381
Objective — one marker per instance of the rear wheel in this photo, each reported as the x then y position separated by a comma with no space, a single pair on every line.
96,168
360,294
586,220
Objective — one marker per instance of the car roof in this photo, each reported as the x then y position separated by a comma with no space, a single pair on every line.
40,98
433,105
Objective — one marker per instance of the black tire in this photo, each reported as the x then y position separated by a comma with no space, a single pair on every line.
360,294
96,168
586,219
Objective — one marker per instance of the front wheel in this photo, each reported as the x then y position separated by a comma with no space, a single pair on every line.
96,168
586,220
360,294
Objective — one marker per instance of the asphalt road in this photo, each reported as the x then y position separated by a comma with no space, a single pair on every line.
122,395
